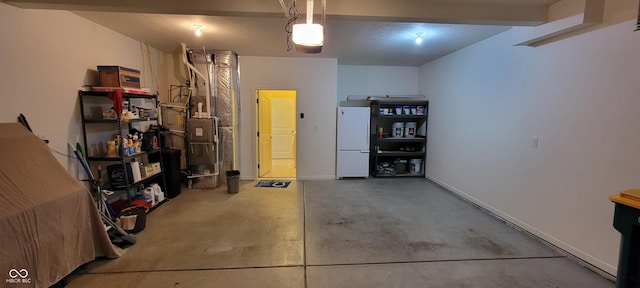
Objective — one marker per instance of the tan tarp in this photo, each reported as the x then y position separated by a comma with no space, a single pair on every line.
48,223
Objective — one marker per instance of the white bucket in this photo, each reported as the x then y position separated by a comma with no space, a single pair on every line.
397,130
410,129
415,166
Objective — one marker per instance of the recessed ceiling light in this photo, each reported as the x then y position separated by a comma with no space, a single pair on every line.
419,37
198,30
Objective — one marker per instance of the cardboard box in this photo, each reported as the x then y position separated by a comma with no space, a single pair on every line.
118,76
149,169
156,168
143,172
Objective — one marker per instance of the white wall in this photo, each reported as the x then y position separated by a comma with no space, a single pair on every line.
46,56
376,81
579,95
315,81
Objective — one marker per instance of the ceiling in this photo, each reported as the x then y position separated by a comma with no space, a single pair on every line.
358,32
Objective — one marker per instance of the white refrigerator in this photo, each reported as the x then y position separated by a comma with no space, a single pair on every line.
353,142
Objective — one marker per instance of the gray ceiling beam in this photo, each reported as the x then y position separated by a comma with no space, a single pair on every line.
449,12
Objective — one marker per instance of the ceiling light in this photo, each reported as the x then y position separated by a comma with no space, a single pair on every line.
419,37
198,30
308,34
309,37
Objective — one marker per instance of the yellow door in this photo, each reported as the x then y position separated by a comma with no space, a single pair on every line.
264,133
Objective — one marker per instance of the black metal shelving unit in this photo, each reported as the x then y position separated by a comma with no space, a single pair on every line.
118,126
387,150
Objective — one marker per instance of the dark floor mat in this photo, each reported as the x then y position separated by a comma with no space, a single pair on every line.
273,184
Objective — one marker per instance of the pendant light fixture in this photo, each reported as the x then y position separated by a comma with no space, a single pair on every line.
309,37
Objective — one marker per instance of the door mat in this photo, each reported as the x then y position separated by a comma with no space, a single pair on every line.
273,184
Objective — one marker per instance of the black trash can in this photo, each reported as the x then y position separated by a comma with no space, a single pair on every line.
233,181
627,221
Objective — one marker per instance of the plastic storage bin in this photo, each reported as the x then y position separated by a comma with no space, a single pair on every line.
137,214
627,221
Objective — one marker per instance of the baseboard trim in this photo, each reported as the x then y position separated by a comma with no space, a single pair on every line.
325,177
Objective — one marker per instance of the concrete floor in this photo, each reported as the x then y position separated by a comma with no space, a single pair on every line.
342,233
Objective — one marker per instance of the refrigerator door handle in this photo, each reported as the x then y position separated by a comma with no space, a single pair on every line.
368,136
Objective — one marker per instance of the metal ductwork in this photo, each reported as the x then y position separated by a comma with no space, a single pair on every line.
213,124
